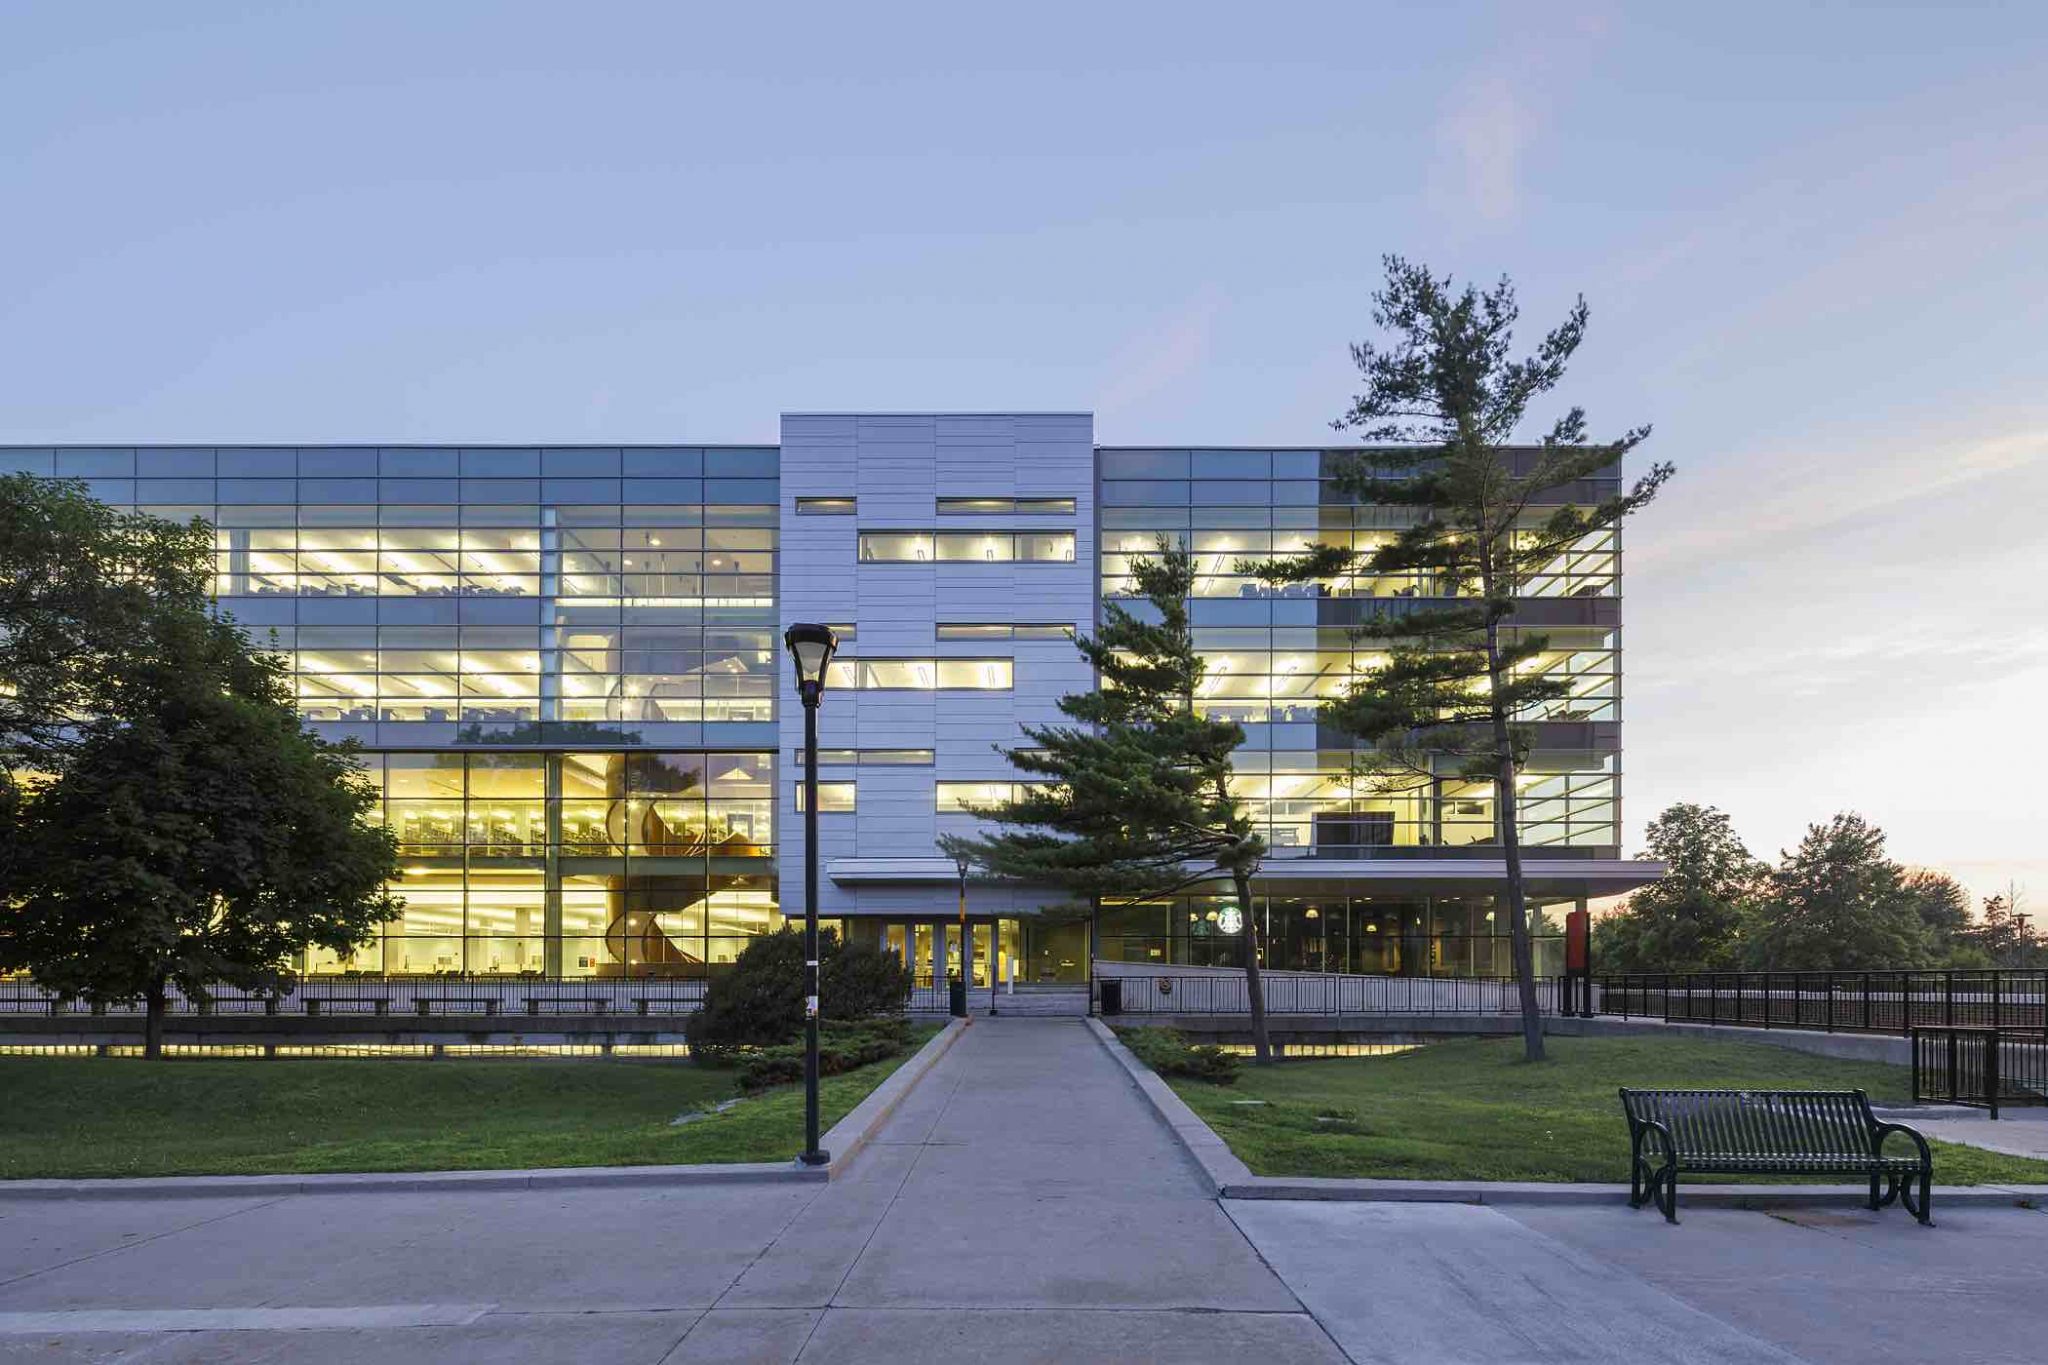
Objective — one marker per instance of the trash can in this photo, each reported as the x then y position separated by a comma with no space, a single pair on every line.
959,985
1112,995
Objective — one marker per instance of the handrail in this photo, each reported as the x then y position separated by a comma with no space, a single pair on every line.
2012,1000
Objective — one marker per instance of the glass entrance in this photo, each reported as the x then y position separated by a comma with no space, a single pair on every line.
996,951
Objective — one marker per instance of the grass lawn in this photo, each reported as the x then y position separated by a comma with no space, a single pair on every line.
1474,1110
120,1117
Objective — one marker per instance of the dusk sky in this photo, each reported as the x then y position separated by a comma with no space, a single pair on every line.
1814,239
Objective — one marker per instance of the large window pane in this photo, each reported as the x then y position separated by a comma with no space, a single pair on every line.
989,675
895,547
976,547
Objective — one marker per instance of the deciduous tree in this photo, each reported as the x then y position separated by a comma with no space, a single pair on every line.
1690,920
195,835
1838,903
79,584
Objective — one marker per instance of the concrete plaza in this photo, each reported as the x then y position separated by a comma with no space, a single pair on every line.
1022,1205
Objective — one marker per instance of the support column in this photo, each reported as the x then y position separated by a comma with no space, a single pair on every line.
939,953
551,896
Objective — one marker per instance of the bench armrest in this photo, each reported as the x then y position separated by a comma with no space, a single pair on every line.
1885,1130
1670,1148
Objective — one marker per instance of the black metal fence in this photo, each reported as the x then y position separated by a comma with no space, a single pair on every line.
401,997
1979,1066
2013,1002
1319,995
415,997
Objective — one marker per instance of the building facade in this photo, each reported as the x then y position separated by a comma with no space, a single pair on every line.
564,665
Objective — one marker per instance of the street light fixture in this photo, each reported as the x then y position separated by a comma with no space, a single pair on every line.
967,944
811,647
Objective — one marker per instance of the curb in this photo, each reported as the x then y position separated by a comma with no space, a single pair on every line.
846,1139
1221,1168
852,1133
1229,1178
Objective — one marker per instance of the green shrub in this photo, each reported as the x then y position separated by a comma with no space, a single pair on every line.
1169,1054
760,1001
861,981
841,1048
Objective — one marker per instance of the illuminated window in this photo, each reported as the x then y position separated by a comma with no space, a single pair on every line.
925,675
1056,547
958,797
1022,630
987,675
825,507
867,758
895,547
898,674
971,507
966,547
955,798
976,547
829,758
834,798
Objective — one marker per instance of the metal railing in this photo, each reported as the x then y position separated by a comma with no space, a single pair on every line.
398,997
441,997
2011,1001
1319,995
1981,1067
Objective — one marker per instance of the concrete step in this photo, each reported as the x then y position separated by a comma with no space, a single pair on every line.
1045,1002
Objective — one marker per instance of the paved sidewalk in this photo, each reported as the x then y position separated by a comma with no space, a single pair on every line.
1023,1204
2017,1131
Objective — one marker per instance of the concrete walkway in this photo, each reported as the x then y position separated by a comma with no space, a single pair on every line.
1023,1205
2017,1131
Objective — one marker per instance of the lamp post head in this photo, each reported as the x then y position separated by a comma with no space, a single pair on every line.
811,647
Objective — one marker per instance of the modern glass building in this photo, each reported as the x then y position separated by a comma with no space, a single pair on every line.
565,667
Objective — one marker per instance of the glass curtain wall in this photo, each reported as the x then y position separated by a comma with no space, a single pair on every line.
560,661
1275,656
1412,935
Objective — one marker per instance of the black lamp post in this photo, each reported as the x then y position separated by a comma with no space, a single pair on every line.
811,646
967,946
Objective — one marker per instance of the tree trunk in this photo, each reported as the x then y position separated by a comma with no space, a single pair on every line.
1519,947
1254,987
153,1021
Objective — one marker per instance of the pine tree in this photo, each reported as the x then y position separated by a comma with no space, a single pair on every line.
1133,800
1443,402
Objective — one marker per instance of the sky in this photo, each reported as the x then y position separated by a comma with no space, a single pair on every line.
1814,239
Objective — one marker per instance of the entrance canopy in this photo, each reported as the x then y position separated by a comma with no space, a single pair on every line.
1547,878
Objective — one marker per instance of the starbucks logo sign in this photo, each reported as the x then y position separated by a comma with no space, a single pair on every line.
1230,920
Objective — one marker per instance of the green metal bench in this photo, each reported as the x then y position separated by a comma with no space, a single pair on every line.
1767,1132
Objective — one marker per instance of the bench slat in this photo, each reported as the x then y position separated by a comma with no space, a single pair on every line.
1766,1132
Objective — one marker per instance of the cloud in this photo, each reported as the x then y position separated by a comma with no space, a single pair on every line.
1812,492
1161,356
1481,138
1493,116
